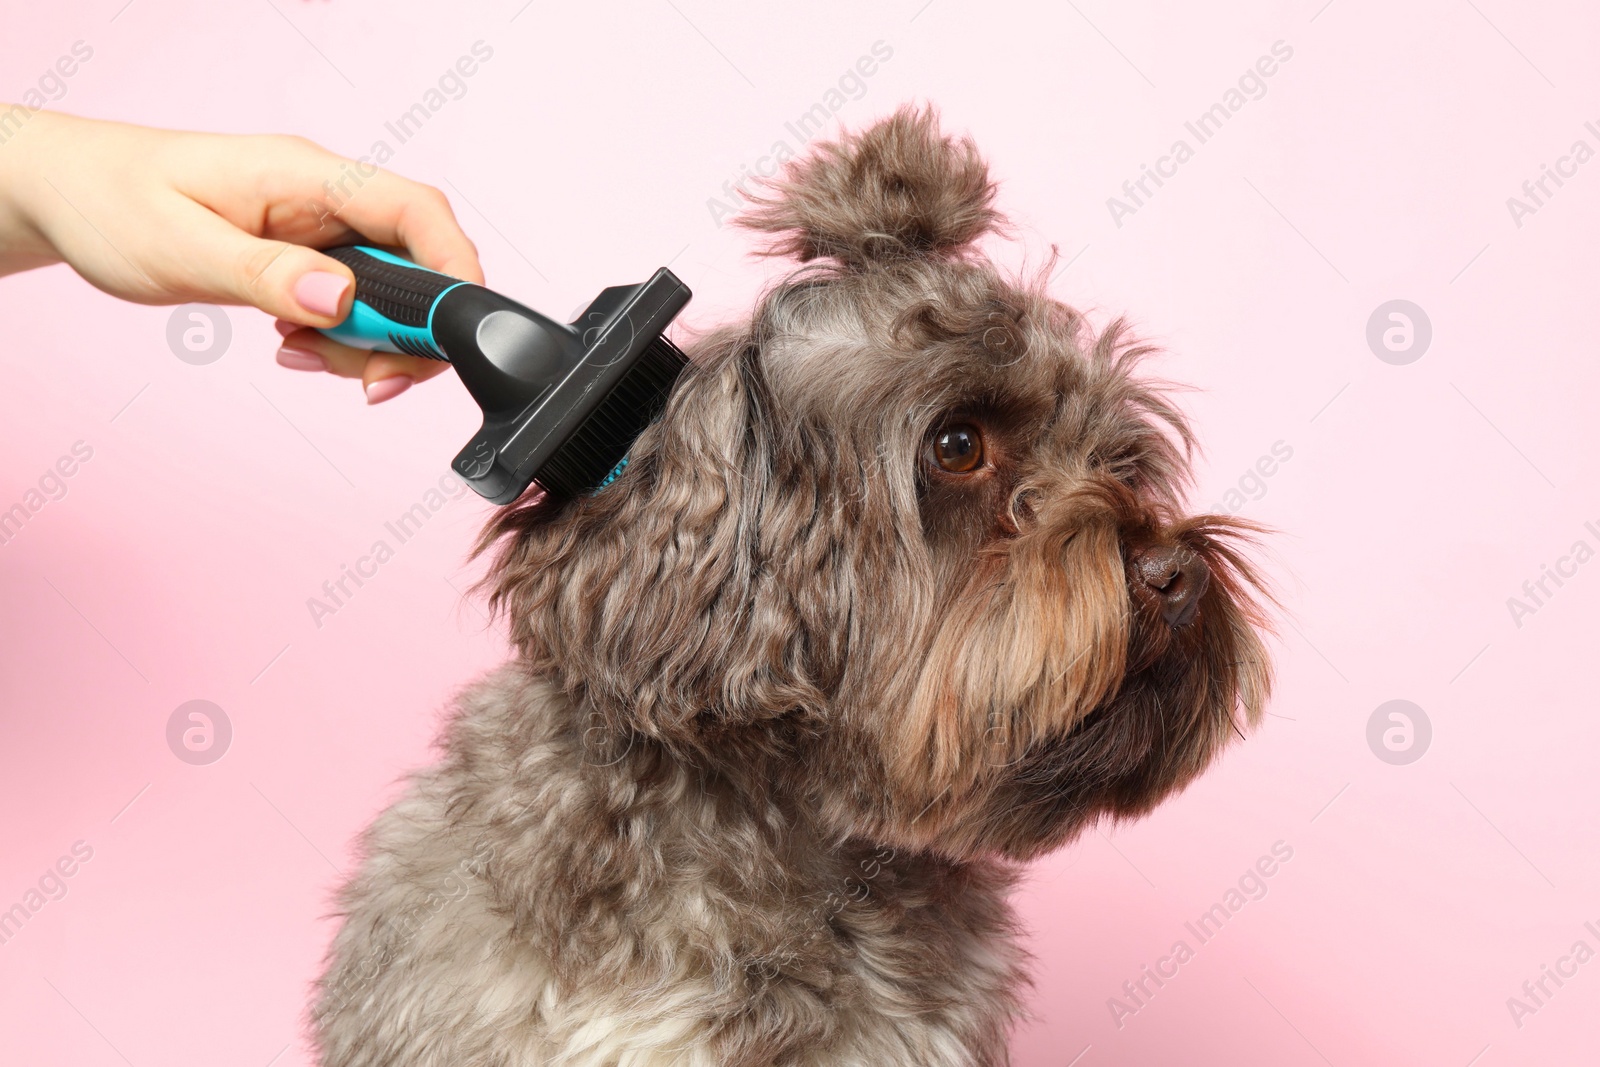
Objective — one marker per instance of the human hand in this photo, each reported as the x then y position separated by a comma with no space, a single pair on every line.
167,217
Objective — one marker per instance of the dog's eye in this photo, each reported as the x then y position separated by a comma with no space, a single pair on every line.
958,448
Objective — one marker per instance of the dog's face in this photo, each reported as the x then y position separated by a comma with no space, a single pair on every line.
907,545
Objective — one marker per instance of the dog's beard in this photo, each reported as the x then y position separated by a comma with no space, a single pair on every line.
1188,692
1052,696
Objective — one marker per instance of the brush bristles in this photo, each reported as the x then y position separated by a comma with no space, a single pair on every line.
603,439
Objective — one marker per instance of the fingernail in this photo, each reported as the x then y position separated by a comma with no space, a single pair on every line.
300,359
387,388
285,327
320,291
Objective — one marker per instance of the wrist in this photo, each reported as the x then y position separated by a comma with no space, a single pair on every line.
24,137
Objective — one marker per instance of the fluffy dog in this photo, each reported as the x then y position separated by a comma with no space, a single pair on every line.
897,593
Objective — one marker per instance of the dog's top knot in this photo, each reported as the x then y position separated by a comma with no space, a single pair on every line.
894,190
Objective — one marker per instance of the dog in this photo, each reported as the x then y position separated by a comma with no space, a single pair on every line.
896,594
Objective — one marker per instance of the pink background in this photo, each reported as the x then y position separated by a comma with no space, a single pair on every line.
1417,500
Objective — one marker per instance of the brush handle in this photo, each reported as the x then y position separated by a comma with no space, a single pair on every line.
394,304
507,355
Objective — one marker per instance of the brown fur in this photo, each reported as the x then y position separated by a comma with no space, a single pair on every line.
790,700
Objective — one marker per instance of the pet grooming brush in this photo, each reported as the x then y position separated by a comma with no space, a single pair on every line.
561,404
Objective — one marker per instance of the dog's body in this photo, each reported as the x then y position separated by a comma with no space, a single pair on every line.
529,907
895,595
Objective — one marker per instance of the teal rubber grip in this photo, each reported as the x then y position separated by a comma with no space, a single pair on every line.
394,303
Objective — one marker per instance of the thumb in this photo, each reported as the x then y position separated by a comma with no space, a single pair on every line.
287,281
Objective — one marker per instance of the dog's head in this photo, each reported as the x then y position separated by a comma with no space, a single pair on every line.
910,538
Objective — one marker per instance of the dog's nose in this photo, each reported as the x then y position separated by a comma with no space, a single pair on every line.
1177,577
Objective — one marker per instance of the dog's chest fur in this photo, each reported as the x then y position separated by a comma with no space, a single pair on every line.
521,905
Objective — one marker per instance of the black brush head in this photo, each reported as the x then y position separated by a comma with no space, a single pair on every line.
562,402
591,455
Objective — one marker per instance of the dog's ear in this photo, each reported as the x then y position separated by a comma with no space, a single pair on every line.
897,189
650,600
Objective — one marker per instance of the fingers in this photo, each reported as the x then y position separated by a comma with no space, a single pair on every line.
291,189
384,375
397,211
288,281
321,197
390,210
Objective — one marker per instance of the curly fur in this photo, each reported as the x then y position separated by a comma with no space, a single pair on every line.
896,189
790,703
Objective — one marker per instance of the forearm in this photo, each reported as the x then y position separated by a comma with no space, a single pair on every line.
23,245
